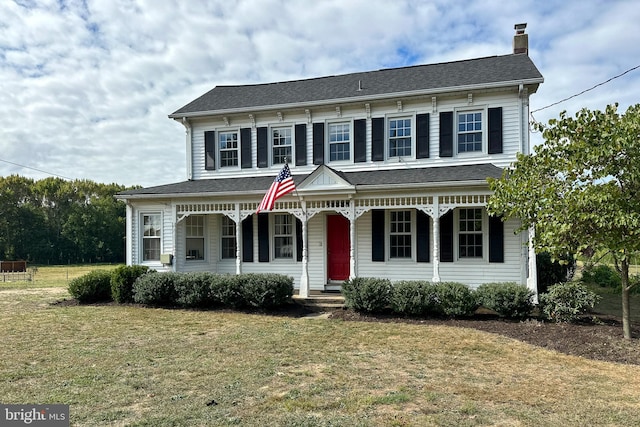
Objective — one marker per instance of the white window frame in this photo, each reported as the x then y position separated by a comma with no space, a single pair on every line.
272,145
389,233
144,238
484,233
387,139
275,235
483,131
221,150
328,142
188,228
231,237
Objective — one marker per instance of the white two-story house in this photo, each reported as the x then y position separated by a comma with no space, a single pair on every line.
390,168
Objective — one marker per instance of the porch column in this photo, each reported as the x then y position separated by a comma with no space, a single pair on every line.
436,240
174,215
129,235
303,292
352,242
532,278
238,240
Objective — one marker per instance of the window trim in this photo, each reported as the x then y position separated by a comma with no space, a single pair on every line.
387,138
219,150
485,130
292,157
387,219
141,259
457,233
327,142
203,237
272,238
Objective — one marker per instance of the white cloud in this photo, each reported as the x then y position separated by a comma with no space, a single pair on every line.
86,86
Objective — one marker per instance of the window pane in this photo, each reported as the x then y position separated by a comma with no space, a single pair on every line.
228,240
281,145
339,141
283,236
151,249
399,137
228,142
470,233
400,234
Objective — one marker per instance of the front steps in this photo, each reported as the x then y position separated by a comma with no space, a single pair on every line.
321,301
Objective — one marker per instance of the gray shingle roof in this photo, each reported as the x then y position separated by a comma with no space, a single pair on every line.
494,70
219,186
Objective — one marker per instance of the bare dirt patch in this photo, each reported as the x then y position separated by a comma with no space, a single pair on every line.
594,337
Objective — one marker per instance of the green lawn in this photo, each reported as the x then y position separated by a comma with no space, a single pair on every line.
126,365
53,276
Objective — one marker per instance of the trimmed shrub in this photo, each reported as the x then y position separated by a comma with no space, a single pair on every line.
602,275
455,299
122,279
156,289
508,299
94,286
551,272
566,302
413,298
368,294
193,290
228,291
266,290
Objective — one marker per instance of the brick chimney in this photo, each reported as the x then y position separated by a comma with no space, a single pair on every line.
521,40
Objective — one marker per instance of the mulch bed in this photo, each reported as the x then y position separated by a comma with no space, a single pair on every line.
596,337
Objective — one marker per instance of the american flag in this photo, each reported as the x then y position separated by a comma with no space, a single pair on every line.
283,184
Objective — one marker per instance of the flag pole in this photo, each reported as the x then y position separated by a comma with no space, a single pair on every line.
295,190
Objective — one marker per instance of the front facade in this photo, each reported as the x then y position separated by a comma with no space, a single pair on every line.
390,168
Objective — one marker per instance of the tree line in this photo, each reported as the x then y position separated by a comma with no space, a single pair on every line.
56,221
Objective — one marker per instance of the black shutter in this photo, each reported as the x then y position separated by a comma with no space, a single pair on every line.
318,143
377,139
495,130
263,148
446,134
263,237
377,235
245,148
422,134
496,239
301,145
247,239
422,234
298,240
210,150
446,237
360,140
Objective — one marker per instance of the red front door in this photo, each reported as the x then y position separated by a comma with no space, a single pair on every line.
337,247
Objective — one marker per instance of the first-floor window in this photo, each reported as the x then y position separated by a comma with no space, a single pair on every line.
152,231
400,137
470,233
195,237
339,141
400,234
228,238
228,148
281,145
283,236
469,132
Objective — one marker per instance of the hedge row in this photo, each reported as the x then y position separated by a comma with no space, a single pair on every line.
562,303
127,284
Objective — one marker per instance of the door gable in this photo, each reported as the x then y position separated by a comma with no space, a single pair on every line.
324,178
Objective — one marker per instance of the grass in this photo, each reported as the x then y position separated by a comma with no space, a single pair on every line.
126,365
54,276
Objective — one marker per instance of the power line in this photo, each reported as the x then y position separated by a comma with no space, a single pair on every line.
36,169
586,90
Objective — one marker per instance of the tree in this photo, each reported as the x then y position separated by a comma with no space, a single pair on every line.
580,191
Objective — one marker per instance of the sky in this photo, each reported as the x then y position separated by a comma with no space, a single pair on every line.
86,85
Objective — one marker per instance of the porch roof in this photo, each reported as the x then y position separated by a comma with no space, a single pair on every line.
431,176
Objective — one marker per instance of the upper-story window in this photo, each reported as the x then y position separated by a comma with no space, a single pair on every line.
195,237
400,137
339,141
469,131
228,144
470,233
281,144
152,224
